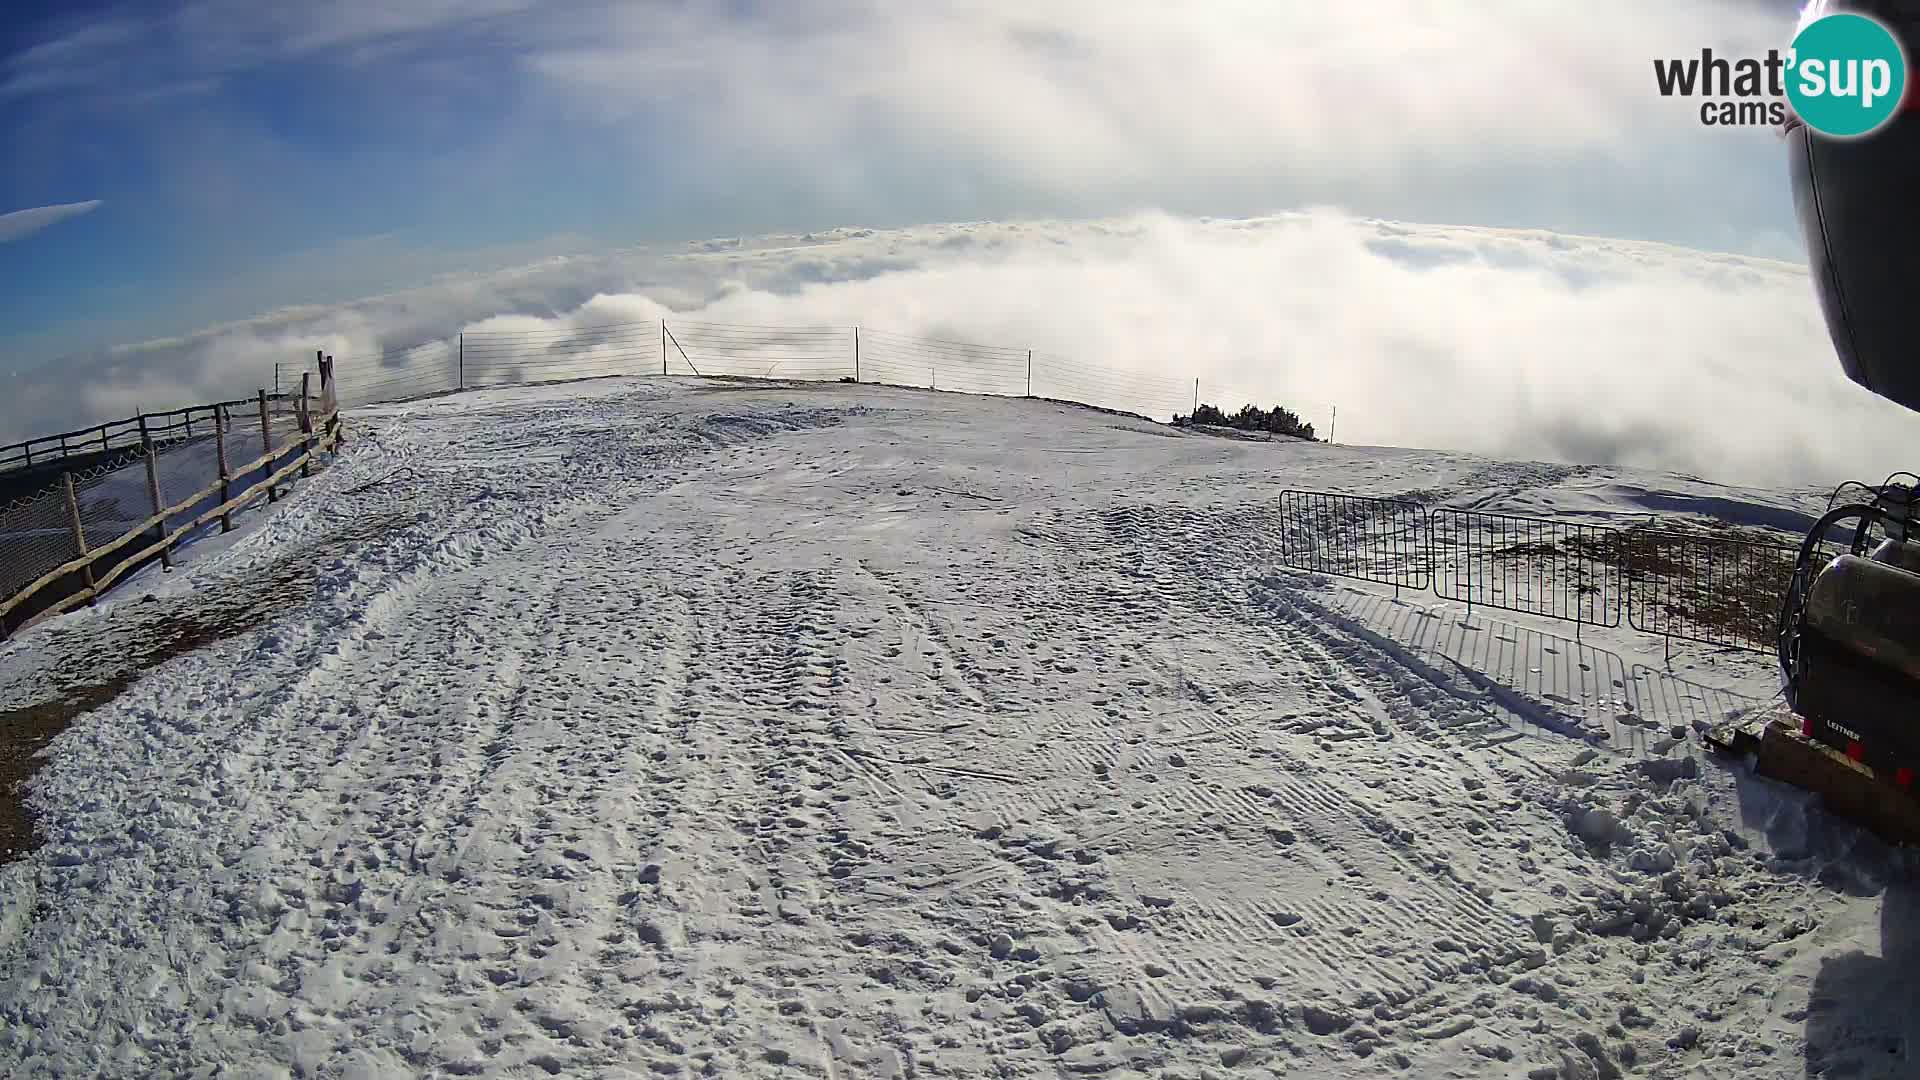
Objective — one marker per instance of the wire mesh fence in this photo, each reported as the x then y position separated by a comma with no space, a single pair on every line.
504,358
36,535
89,525
684,347
813,353
961,367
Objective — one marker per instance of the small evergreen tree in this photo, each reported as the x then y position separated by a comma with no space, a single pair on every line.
1279,420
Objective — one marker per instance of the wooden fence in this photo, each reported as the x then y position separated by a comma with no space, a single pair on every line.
133,433
96,568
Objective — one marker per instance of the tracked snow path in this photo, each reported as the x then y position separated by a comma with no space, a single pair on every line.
686,729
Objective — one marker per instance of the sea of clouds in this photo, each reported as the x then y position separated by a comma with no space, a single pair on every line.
1517,344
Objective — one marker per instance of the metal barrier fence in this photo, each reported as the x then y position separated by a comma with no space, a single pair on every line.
1530,565
1357,536
1715,590
1709,589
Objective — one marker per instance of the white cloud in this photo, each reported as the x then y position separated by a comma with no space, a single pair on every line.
1511,112
21,223
1504,342
1523,111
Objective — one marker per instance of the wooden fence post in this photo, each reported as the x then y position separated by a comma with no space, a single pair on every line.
1029,372
856,354
330,401
79,533
226,478
153,492
306,430
266,444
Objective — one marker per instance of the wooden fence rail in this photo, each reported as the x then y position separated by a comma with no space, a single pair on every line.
127,434
97,585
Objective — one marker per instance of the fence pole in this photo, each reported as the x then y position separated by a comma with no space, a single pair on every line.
276,378
306,431
220,456
79,534
663,346
1333,423
1196,396
856,354
1029,372
330,400
266,444
463,359
153,493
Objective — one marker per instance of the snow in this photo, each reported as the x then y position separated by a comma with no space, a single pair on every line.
661,727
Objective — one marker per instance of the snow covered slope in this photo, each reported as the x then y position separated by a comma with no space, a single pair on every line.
660,727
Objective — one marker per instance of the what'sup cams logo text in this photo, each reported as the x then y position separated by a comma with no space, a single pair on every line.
1844,76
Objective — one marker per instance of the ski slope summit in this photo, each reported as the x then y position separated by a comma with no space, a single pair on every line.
661,727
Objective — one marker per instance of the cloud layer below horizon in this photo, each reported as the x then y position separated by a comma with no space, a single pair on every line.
1514,344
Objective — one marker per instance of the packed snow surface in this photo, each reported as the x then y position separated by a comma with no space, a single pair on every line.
670,728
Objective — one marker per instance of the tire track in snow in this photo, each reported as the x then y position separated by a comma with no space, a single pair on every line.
1419,905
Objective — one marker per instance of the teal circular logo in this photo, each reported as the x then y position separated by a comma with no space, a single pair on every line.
1846,74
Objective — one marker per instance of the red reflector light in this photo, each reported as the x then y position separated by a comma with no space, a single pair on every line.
1903,776
1856,751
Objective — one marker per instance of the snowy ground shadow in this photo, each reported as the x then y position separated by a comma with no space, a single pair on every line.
1863,1016
1559,680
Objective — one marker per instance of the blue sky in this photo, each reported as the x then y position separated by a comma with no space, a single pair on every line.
249,155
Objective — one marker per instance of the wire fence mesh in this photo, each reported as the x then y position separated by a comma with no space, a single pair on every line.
35,536
814,353
962,367
690,347
98,509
